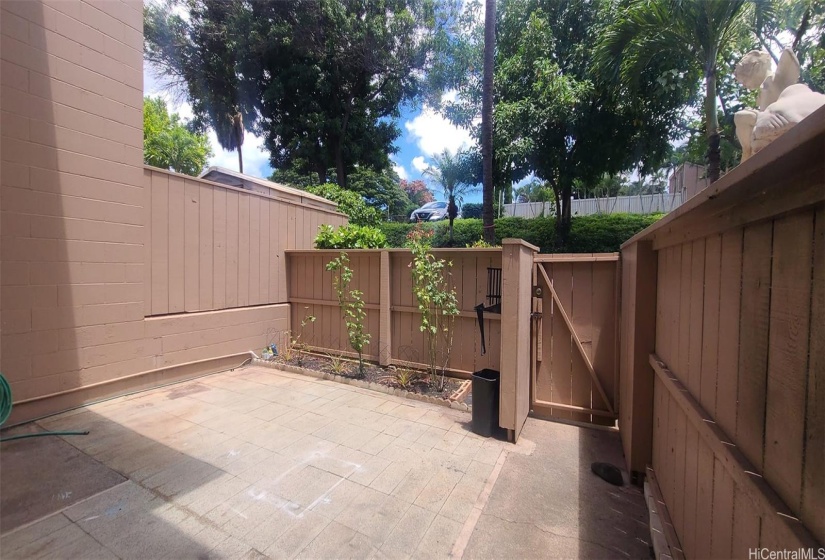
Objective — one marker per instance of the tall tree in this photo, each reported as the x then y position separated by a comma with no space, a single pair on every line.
554,117
691,32
453,173
168,143
200,56
320,80
488,218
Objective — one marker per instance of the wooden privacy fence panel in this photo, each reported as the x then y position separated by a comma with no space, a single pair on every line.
737,371
576,337
209,246
393,321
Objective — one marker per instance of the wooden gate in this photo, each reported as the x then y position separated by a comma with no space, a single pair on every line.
575,337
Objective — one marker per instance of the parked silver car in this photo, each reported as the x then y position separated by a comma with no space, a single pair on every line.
430,212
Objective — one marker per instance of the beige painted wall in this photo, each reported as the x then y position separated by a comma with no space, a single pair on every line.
81,223
210,246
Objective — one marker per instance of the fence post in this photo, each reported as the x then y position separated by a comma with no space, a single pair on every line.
384,318
516,305
638,338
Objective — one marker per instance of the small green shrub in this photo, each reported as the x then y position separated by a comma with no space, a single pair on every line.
352,307
350,203
599,233
436,300
350,237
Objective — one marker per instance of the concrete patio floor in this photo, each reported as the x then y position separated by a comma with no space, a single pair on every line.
259,463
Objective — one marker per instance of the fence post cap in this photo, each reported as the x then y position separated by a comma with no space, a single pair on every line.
516,241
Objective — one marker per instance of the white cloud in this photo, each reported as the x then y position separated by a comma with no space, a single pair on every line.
449,96
400,171
420,164
434,134
255,161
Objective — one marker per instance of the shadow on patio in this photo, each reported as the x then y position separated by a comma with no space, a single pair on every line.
259,462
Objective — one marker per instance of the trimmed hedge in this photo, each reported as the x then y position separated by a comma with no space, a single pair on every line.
599,233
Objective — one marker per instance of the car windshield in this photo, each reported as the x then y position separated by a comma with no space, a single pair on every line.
431,205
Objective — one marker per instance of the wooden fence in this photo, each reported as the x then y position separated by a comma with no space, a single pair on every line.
209,246
723,354
393,318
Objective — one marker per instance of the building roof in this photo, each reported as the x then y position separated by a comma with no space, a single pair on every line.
241,180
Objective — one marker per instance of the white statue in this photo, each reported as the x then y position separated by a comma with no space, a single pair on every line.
782,101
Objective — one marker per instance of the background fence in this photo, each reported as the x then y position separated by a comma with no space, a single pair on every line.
393,318
642,204
724,333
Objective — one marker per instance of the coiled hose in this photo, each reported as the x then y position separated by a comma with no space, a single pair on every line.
5,412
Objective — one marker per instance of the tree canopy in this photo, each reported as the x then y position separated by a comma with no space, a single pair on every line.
168,143
320,80
555,117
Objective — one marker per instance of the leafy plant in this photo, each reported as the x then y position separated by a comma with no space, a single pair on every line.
293,349
350,203
350,237
437,302
406,378
168,143
480,244
337,364
352,307
471,210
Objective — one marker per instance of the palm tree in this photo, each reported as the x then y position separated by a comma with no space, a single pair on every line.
690,32
231,137
487,122
451,171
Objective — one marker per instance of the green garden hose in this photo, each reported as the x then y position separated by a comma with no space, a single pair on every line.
5,412
5,400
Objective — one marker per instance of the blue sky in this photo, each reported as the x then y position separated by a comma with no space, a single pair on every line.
423,134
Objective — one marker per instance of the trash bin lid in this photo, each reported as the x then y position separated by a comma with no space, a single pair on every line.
487,375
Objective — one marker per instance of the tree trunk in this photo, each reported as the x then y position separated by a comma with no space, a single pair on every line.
240,160
712,124
452,211
321,170
487,121
564,215
340,173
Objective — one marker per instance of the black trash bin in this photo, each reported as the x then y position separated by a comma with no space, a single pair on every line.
485,402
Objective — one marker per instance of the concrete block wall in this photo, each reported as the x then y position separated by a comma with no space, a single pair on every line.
74,223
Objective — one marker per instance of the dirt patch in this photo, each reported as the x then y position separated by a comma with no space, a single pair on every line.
408,379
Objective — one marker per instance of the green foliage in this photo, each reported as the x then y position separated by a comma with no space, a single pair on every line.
436,300
168,144
456,174
589,234
294,347
337,364
604,233
350,237
352,306
471,210
320,80
554,116
534,191
480,244
349,203
381,191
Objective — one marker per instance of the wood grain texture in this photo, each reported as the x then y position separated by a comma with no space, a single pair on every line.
813,489
787,357
754,323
